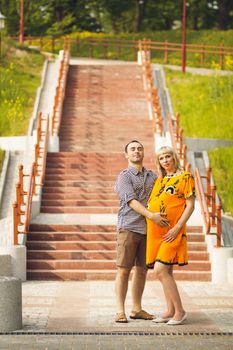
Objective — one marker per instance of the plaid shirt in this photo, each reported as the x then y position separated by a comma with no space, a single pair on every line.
132,184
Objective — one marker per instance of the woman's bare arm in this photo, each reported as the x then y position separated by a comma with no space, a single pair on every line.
173,232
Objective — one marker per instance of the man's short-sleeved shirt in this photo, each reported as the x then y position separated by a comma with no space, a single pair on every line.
133,184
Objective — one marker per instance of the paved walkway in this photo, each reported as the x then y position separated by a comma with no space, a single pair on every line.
80,315
200,71
112,342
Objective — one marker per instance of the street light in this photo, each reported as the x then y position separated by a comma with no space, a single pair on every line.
2,25
184,37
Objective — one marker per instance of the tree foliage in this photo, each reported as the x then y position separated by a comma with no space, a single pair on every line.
56,17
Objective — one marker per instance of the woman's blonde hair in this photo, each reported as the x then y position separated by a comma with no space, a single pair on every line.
169,150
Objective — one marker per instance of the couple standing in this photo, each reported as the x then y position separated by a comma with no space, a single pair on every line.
151,230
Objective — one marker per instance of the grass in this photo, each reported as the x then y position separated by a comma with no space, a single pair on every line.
20,73
20,77
204,102
206,107
222,165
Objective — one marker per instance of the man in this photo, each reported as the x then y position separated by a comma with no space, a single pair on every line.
133,186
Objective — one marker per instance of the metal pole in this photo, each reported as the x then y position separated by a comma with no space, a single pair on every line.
184,37
21,26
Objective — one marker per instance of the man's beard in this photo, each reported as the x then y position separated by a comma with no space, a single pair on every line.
139,161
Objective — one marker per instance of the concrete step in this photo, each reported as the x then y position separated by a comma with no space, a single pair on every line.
71,228
80,196
77,190
101,265
71,255
71,245
94,275
79,210
64,174
93,255
79,203
193,243
105,240
68,183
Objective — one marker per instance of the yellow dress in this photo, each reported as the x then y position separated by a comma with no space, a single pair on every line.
168,196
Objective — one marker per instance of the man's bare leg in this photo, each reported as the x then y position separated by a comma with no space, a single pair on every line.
121,287
138,285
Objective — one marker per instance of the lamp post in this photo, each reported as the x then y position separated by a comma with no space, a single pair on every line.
183,37
21,24
2,25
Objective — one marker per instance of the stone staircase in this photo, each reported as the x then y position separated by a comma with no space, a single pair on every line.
104,108
88,252
82,183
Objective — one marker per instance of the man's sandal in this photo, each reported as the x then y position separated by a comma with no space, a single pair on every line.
121,318
141,315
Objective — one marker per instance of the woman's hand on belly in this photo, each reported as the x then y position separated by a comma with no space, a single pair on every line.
172,233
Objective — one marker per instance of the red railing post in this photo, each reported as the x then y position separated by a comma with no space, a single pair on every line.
52,44
219,228
77,45
165,52
41,43
15,223
222,56
202,55
208,187
213,206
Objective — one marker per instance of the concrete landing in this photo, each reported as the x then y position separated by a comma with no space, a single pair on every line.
90,307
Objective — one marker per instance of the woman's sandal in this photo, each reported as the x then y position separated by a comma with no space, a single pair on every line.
121,318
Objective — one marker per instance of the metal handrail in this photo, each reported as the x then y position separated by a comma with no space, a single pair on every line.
18,213
210,211
60,92
151,91
202,200
46,141
31,192
176,135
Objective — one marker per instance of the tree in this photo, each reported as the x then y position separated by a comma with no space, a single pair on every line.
224,18
57,17
140,13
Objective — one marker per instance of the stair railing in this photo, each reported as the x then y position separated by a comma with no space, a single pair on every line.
148,82
211,211
176,134
60,91
21,207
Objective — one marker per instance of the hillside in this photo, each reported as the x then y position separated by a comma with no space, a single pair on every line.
20,77
206,107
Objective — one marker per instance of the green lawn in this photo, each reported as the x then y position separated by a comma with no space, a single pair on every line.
20,77
204,102
222,164
206,107
20,73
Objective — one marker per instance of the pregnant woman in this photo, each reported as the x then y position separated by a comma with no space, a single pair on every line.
173,194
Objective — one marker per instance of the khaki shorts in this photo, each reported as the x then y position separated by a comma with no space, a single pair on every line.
131,249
